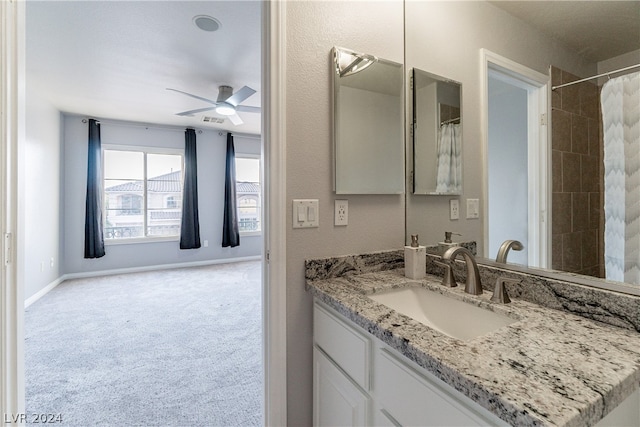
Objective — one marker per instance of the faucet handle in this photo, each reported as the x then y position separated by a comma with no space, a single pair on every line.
448,280
500,291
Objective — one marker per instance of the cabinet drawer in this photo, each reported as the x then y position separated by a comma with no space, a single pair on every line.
343,344
411,398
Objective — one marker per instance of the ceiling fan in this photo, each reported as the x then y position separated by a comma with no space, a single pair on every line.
227,104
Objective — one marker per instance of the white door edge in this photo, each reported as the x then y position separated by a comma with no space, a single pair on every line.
539,153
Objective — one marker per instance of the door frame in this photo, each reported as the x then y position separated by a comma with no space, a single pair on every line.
12,27
538,151
12,39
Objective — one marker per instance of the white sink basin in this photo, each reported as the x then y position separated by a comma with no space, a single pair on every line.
450,316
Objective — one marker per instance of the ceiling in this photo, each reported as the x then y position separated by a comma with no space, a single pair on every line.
598,30
115,59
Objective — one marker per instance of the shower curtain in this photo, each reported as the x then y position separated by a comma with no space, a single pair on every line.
449,176
620,101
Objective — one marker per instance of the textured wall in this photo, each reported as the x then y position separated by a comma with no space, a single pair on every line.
40,194
375,222
576,177
445,38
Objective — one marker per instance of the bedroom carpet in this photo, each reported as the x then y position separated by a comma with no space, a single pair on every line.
176,347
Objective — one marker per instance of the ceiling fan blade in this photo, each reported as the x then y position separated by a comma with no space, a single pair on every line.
240,96
248,109
192,112
235,119
194,96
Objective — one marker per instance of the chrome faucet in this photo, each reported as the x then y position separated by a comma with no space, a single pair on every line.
504,249
473,285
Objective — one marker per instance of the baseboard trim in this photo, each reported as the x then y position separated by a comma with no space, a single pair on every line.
42,292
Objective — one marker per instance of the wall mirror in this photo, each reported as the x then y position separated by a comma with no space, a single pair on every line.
574,166
437,134
368,123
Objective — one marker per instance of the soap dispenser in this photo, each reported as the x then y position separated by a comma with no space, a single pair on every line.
447,241
415,259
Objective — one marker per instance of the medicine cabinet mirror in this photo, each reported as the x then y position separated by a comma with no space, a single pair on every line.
368,118
437,134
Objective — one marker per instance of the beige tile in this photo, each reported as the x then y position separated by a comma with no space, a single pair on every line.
572,252
556,252
560,130
579,134
556,171
589,100
594,137
590,250
590,173
556,95
570,94
571,180
595,210
561,213
579,211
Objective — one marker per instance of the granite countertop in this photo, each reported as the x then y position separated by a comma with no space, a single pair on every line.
548,368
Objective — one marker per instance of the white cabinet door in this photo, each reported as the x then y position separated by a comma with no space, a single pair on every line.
337,401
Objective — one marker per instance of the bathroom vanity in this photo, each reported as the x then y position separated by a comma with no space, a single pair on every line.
375,366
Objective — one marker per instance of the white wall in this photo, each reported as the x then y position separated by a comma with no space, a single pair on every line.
211,167
625,60
508,172
41,196
445,38
375,222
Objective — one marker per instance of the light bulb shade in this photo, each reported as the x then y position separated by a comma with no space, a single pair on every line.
225,109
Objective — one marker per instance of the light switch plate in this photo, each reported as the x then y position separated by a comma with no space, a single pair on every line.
305,213
473,208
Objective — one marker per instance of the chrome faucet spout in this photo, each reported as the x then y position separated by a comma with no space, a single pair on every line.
473,285
504,249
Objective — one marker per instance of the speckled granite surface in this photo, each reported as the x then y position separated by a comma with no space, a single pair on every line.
549,368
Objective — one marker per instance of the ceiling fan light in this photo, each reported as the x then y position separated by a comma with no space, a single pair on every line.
225,109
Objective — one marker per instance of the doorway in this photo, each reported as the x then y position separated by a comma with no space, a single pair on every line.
274,271
516,159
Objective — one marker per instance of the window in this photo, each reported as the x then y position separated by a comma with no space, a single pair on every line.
248,194
142,194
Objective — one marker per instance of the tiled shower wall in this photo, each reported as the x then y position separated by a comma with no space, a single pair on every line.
577,229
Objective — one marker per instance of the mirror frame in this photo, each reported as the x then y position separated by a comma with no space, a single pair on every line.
394,176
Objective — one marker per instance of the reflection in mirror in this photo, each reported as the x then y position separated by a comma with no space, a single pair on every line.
437,135
368,123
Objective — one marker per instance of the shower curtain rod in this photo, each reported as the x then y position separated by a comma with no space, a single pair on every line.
446,122
608,73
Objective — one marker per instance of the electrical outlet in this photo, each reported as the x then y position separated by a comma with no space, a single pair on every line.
51,262
206,244
342,212
454,209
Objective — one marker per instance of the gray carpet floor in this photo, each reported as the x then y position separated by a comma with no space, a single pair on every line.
168,348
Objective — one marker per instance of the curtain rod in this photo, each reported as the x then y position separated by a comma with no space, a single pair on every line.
241,135
143,125
608,73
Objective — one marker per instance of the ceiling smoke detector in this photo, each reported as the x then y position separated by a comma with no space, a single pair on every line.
206,23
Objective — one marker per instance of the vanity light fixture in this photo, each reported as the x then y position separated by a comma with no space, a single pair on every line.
206,23
348,62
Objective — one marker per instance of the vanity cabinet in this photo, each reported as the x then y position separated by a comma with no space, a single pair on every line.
359,380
